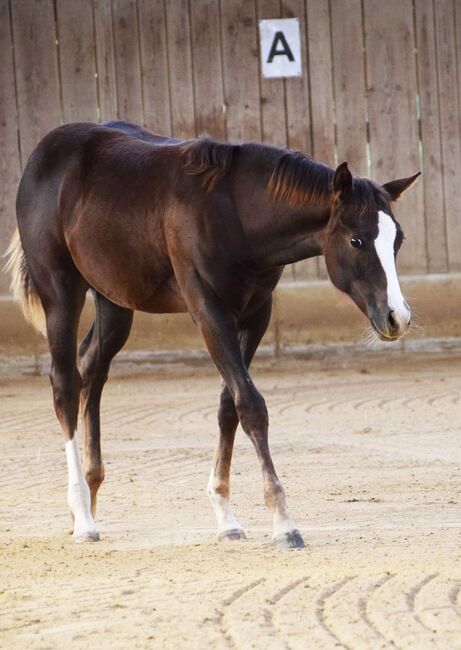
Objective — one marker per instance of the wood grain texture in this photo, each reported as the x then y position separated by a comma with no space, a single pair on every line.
349,84
434,204
37,79
77,60
392,90
450,126
297,88
127,61
321,90
105,60
154,66
207,68
240,70
273,119
10,168
193,66
298,118
180,69
321,81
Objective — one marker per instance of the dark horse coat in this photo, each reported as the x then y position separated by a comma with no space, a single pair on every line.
158,225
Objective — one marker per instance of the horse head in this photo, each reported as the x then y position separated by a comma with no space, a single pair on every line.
361,245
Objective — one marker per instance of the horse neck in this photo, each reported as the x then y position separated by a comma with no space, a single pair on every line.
299,232
279,232
288,225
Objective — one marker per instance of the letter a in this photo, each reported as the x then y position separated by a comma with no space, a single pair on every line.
285,48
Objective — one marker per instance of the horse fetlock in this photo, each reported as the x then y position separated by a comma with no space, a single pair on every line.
274,497
228,526
78,498
94,476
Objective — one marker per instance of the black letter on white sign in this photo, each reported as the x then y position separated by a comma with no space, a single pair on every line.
285,51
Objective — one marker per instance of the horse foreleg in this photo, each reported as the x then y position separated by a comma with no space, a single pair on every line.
251,332
220,332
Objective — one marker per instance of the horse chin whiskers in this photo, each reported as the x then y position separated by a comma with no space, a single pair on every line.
370,338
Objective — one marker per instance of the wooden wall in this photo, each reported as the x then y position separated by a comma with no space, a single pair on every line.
381,87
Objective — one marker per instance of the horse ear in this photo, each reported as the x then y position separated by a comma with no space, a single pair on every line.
342,179
396,188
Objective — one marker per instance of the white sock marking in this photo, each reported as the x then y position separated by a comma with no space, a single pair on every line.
282,523
384,244
78,493
222,508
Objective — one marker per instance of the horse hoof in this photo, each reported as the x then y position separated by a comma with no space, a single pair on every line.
231,535
88,536
292,539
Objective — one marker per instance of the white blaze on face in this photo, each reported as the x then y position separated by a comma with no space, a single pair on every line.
384,244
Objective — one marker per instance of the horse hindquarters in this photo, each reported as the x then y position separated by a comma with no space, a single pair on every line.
46,275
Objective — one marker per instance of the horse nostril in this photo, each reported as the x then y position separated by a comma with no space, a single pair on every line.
391,321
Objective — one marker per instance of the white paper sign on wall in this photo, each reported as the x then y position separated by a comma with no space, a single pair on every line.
280,47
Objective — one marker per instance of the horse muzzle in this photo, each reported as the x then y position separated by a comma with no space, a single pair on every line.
391,325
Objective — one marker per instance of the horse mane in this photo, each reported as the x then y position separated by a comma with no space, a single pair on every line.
297,180
210,159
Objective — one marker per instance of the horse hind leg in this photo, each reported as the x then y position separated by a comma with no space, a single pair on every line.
106,337
63,303
218,488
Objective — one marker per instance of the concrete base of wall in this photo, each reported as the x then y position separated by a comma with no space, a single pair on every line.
304,314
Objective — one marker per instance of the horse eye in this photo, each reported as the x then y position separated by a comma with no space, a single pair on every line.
356,242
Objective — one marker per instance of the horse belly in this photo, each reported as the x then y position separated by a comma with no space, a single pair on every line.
167,299
140,284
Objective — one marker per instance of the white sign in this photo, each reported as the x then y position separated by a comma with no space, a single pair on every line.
280,47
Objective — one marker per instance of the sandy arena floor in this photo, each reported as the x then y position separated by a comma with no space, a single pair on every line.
368,449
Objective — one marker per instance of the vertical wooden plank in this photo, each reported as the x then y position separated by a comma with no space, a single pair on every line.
457,6
450,126
38,96
297,88
349,84
321,81
272,99
434,208
321,88
392,89
154,60
273,124
10,168
77,60
180,69
206,55
298,117
105,59
240,53
127,62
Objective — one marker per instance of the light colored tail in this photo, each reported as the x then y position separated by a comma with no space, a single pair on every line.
22,286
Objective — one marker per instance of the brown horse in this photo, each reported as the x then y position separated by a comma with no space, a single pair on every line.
164,226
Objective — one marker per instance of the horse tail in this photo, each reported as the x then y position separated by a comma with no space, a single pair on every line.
22,284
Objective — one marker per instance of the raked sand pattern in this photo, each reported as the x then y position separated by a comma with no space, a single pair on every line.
369,451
